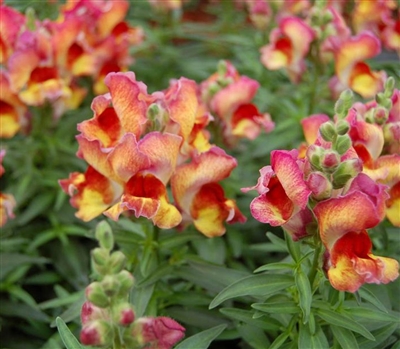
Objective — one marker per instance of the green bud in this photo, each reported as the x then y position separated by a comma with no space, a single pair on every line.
100,256
381,115
389,86
96,295
104,235
344,103
30,16
328,131
222,68
314,155
110,285
342,144
116,262
126,281
346,170
342,127
153,111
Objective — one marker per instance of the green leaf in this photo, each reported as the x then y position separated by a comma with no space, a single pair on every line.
370,314
211,250
39,204
58,302
162,270
278,242
345,337
266,323
371,298
312,341
72,312
175,240
23,311
254,285
66,335
304,292
277,304
381,335
140,298
203,339
9,261
342,320
198,317
293,247
275,266
254,336
277,343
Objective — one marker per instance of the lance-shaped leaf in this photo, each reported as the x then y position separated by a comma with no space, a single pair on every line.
67,337
254,285
305,294
203,339
345,337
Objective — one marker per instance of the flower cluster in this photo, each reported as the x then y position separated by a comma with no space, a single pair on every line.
107,317
325,32
341,183
139,146
89,38
7,201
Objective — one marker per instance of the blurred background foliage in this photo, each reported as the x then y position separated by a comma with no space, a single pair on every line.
45,249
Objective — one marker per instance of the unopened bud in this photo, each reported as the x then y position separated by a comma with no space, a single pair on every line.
320,186
90,312
389,86
381,115
328,131
314,154
96,333
153,111
126,281
110,285
330,160
116,262
346,170
222,68
391,132
123,314
104,235
342,127
342,144
100,256
344,103
96,295
30,16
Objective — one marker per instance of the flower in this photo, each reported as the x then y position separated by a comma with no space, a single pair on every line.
7,201
289,44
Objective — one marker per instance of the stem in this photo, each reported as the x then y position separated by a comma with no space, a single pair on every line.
315,264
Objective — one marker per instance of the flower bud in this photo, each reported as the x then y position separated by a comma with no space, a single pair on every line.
314,154
126,281
90,313
344,103
330,160
320,186
342,127
96,295
110,285
389,86
328,131
123,314
342,144
100,256
116,262
104,235
346,170
161,332
381,115
96,333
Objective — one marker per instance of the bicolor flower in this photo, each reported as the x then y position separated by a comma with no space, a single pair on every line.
343,221
283,193
351,70
200,197
288,47
229,97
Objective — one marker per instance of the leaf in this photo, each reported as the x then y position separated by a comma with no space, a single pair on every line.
203,339
371,298
312,341
342,320
275,266
277,343
304,292
39,204
293,247
9,261
254,336
58,302
162,270
280,306
66,335
23,311
267,323
175,240
140,298
370,314
345,338
381,335
211,250
254,285
72,312
278,242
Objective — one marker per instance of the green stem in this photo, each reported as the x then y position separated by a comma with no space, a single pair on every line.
315,264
